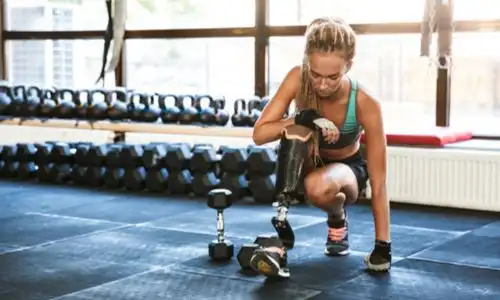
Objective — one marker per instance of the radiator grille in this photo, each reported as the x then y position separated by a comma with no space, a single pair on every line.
444,177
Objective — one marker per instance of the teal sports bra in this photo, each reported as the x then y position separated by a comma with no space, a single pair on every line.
350,130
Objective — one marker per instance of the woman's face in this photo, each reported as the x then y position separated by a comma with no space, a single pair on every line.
326,71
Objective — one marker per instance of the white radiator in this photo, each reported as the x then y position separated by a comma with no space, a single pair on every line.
444,177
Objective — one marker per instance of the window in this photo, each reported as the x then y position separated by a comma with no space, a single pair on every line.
295,12
69,63
388,65
475,10
475,85
175,14
222,66
33,15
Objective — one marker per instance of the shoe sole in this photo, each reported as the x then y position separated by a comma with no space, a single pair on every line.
340,253
377,268
267,266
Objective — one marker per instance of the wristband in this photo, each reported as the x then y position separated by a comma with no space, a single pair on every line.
306,118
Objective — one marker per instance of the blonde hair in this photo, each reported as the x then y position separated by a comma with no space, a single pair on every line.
326,34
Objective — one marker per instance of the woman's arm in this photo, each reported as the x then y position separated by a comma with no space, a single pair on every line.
370,117
269,126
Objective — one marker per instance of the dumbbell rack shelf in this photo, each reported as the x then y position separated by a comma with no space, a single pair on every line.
121,128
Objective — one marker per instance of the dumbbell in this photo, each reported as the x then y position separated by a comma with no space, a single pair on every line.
135,179
25,156
26,152
178,157
180,182
261,172
205,169
220,249
114,177
131,156
180,179
62,153
233,165
246,251
154,155
10,163
157,180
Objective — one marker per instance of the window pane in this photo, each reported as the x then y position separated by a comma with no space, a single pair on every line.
222,66
34,15
295,12
63,63
475,86
475,9
175,14
388,65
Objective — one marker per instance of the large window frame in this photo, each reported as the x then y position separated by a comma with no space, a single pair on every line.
261,32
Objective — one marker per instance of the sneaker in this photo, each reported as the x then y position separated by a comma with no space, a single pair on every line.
270,262
337,243
377,263
381,257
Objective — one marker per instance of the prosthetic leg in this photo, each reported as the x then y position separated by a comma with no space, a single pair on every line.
292,158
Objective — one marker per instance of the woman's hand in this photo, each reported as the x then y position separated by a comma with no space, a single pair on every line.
330,135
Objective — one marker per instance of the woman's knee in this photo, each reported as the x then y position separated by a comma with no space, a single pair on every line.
319,190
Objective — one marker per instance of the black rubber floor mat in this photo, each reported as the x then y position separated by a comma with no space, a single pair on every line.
480,248
177,284
133,209
36,228
415,280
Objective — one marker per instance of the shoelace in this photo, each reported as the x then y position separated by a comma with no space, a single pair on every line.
337,234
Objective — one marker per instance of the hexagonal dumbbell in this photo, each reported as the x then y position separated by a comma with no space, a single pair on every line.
234,161
261,161
26,152
96,155
178,156
220,249
202,183
246,251
156,180
263,188
154,155
62,153
131,156
204,159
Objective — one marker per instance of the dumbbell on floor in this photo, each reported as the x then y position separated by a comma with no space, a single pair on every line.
220,249
246,251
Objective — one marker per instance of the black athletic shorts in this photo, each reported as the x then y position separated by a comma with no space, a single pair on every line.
358,166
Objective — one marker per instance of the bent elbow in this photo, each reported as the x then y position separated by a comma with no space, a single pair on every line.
256,137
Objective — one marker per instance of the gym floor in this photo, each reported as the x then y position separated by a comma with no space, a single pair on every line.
60,242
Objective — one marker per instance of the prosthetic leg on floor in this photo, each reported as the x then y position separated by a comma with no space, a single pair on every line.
293,157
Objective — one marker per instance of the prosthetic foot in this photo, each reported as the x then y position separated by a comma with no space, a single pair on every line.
292,157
